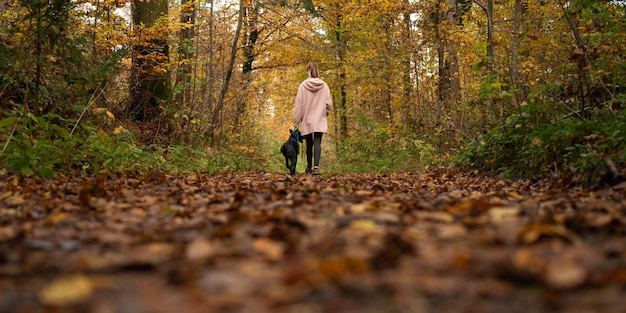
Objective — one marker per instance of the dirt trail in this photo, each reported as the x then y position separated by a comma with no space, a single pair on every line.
436,241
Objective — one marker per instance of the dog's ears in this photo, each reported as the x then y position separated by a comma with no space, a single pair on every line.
290,130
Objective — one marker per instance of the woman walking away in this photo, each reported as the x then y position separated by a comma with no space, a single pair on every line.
313,105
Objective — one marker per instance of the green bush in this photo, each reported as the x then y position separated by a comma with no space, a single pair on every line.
45,146
528,147
383,148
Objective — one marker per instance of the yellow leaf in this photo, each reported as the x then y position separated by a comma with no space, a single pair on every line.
361,207
497,85
118,130
67,291
110,115
364,225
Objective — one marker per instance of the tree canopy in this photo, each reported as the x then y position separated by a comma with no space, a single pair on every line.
522,88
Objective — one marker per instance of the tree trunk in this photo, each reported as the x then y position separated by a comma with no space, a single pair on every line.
151,83
517,21
211,83
407,86
341,107
453,60
252,32
449,81
580,54
229,71
388,72
491,48
185,51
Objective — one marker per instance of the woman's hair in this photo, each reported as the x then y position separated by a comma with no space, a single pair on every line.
311,68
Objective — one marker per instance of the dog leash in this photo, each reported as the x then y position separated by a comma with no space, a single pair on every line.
298,135
297,130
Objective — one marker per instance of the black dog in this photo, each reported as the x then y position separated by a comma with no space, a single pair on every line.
291,149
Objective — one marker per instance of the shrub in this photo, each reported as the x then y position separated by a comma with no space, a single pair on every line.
524,147
383,148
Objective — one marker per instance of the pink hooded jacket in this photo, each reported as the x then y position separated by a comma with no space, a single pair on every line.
313,104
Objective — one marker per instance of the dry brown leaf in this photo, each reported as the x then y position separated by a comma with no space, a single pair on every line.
526,261
138,212
7,232
336,267
472,206
200,249
14,200
57,217
451,231
349,242
531,233
620,186
499,214
151,254
565,274
441,217
272,249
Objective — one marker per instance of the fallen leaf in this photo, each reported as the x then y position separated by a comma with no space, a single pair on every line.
441,217
531,233
58,217
366,225
620,186
7,232
472,206
300,243
67,291
499,214
451,231
336,267
14,200
274,250
565,274
151,254
361,207
199,249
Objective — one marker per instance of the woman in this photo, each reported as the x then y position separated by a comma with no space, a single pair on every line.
313,105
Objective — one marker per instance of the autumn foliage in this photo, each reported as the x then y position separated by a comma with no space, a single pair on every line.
414,82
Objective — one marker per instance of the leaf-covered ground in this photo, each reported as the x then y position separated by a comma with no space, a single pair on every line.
437,241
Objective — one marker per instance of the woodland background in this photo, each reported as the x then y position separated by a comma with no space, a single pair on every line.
518,88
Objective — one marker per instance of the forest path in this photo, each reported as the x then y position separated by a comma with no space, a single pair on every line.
436,241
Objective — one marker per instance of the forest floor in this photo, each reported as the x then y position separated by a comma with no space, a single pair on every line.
437,241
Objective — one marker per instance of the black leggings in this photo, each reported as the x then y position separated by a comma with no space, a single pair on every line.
313,146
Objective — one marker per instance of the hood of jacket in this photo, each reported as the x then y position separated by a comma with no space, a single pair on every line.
313,84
